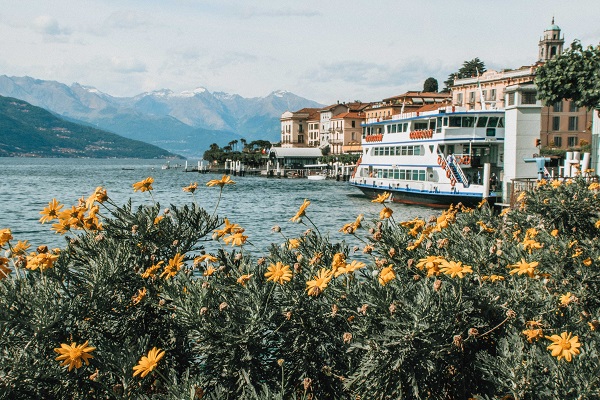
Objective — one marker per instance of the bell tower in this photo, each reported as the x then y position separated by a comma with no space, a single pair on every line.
551,45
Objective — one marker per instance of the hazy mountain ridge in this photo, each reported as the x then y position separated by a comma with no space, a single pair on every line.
27,130
186,122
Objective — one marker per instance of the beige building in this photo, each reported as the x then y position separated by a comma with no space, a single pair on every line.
407,102
294,127
326,113
563,125
346,133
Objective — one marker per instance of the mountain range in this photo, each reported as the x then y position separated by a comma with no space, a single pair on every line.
185,123
27,130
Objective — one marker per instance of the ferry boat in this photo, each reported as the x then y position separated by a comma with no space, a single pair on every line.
439,157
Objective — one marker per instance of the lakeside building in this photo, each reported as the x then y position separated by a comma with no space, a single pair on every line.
346,133
563,125
294,127
407,102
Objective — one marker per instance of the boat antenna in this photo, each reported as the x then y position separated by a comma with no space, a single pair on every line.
481,99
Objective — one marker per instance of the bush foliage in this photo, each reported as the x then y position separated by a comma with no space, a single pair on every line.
466,304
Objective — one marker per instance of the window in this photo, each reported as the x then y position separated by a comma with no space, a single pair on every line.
557,141
459,99
572,141
468,122
300,138
557,107
492,122
354,124
529,98
573,123
471,97
511,99
455,122
300,129
482,122
573,107
555,123
493,94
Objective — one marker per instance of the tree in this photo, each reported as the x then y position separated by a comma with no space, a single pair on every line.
575,75
430,85
469,69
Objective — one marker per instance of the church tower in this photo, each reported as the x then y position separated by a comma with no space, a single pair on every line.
551,45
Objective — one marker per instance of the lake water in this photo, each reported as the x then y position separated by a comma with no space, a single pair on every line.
255,203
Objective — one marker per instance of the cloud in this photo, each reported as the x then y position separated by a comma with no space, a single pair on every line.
47,25
126,19
231,58
251,12
127,65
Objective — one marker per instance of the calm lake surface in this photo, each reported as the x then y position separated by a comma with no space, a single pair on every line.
255,203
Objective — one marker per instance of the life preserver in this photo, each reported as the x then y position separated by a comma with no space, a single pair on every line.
452,182
448,173
466,160
440,159
443,163
430,133
410,135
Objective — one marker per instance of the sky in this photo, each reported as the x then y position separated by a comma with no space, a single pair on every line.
321,50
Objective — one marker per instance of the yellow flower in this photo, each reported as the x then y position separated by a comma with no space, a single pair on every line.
141,294
530,233
158,219
243,279
554,232
293,243
150,272
43,261
319,282
100,195
279,273
20,248
191,188
174,266
229,228
523,267
555,183
301,211
530,244
504,212
236,239
143,186
386,275
430,262
533,334
577,253
51,212
209,271
492,278
484,227
148,363
566,299
205,257
569,181
72,354
62,226
5,236
522,196
482,203
385,213
351,227
455,269
542,182
339,261
316,258
564,346
225,180
594,186
587,262
381,198
354,266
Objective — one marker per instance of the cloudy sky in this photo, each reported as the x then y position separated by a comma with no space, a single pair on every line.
321,50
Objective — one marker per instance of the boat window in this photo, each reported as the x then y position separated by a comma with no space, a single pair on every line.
396,174
482,122
493,122
386,151
403,150
385,173
501,123
417,150
432,124
405,127
468,122
422,175
402,174
438,129
490,132
415,174
410,150
393,128
378,130
431,149
445,121
455,122
398,150
420,125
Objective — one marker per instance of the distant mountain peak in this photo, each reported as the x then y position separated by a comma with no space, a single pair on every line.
192,93
279,93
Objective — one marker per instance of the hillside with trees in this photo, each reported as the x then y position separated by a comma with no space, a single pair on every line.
30,131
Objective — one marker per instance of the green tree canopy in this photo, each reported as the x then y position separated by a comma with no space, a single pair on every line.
469,69
575,75
430,85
